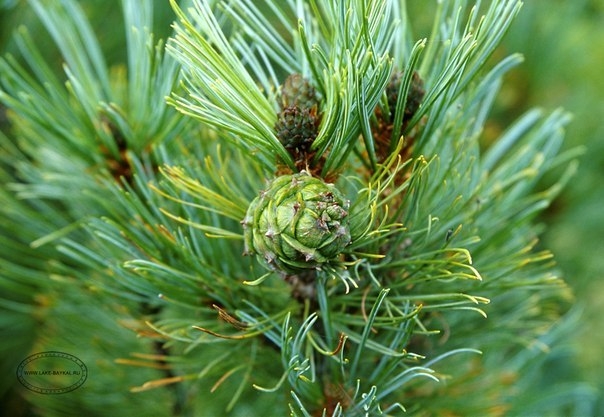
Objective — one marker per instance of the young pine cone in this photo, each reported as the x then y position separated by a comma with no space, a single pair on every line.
384,128
299,223
297,91
414,97
297,128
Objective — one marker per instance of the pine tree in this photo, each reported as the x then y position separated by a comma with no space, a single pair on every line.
288,208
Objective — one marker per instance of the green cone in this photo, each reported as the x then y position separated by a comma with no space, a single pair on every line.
297,128
297,91
414,98
298,223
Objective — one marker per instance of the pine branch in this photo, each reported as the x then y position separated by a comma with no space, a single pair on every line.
383,243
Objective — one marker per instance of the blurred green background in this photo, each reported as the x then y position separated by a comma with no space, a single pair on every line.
563,45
